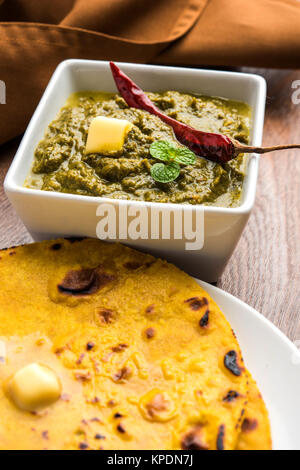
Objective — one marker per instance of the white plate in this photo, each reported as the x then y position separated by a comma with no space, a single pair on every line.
274,362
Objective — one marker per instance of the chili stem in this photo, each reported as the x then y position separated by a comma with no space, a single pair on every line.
240,148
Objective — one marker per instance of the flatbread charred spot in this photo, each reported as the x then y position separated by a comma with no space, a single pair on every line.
231,396
90,345
238,424
119,348
95,400
122,375
157,405
111,403
150,309
204,320
231,363
233,333
194,440
83,445
249,425
221,437
45,435
150,332
10,247
196,303
121,428
83,375
84,281
134,265
80,359
55,246
58,351
105,315
75,239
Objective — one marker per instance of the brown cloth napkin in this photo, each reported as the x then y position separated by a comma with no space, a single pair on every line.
36,35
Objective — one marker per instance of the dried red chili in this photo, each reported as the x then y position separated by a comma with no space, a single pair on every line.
215,147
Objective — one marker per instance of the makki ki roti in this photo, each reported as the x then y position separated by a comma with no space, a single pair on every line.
145,358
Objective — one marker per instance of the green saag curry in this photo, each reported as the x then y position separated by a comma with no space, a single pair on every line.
61,163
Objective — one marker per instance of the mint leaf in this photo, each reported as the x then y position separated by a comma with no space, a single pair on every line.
162,150
166,151
185,156
172,156
165,173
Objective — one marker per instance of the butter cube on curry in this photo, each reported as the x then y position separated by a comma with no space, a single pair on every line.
33,387
107,134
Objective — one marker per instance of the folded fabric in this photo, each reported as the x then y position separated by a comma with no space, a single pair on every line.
36,36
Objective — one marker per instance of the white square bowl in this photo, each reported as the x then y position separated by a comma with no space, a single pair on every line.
52,214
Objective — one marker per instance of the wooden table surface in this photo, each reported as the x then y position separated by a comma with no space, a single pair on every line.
264,270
